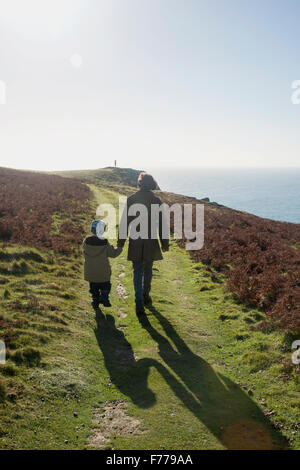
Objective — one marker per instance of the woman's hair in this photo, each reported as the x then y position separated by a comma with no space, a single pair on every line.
146,181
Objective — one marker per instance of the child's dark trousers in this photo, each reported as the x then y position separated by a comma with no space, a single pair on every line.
100,291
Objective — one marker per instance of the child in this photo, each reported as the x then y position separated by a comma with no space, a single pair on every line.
97,270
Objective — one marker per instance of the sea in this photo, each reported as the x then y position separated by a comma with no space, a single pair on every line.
270,193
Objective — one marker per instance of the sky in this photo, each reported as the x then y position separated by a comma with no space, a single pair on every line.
150,83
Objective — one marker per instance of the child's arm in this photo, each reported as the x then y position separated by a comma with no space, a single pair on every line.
113,252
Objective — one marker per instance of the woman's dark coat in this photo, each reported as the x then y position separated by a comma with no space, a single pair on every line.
143,250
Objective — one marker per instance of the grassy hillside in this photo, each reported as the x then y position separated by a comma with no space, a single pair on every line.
197,363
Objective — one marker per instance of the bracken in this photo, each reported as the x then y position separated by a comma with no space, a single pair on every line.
28,203
260,257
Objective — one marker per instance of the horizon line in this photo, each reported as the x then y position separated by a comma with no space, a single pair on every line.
174,168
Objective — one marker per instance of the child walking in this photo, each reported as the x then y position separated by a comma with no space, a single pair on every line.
97,270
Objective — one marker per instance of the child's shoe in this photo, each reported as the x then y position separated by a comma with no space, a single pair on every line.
104,300
95,304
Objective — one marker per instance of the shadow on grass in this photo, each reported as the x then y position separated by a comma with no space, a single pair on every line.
220,404
126,373
225,409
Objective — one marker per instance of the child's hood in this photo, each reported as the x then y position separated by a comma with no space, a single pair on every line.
94,246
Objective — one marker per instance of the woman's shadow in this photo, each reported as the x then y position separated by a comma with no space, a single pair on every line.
220,404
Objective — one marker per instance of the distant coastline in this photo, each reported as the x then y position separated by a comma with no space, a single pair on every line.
268,193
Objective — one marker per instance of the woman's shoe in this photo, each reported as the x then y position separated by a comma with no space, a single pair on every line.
147,299
139,310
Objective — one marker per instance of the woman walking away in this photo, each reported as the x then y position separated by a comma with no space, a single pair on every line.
144,247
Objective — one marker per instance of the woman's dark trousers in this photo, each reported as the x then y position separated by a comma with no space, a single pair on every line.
142,276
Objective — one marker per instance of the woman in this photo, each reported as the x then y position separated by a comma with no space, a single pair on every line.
144,247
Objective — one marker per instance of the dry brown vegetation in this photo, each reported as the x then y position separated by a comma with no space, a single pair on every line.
42,210
260,257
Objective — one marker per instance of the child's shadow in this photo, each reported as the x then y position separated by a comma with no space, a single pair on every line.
129,375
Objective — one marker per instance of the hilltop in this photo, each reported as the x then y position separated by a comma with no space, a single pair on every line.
210,359
114,175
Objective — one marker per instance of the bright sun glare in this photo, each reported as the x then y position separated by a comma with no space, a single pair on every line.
28,16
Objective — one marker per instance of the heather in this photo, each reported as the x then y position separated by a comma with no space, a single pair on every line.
260,257
42,210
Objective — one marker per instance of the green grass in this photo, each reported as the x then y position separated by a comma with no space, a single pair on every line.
196,372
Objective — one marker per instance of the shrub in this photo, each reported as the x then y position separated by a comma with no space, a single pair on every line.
28,356
19,268
8,370
6,294
2,391
259,361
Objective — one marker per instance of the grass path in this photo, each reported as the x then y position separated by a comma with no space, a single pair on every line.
171,367
191,375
